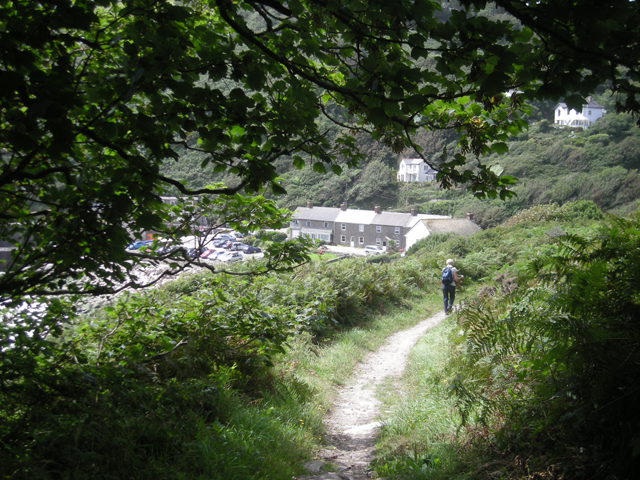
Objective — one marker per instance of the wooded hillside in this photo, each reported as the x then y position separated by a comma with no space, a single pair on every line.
553,164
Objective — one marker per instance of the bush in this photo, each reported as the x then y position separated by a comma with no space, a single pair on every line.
271,235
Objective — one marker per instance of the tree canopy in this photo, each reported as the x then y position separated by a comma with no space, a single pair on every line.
98,94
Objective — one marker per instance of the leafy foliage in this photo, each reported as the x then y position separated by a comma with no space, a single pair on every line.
108,94
548,355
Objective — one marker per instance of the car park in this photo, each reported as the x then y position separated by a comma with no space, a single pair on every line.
373,250
251,249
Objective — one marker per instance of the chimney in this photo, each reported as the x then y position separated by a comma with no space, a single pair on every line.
377,209
470,217
413,212
309,205
343,207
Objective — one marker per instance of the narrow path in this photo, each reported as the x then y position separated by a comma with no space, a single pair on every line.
352,421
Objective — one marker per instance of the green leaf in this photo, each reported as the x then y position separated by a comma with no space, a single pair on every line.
319,167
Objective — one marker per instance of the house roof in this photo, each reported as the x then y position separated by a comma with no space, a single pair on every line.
325,214
590,103
460,226
393,219
363,217
412,161
425,216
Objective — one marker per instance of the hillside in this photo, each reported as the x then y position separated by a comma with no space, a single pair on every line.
553,165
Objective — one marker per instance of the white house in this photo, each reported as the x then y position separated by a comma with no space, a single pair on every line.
426,227
591,111
415,170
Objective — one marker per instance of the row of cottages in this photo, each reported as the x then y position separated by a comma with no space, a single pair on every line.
591,111
415,170
358,228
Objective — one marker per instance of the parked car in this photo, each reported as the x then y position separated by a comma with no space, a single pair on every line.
225,236
166,250
206,252
139,244
373,250
237,246
229,257
216,254
195,252
251,249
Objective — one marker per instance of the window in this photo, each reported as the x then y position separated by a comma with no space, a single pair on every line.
559,112
378,228
397,230
308,223
344,226
360,240
326,224
378,242
361,228
343,238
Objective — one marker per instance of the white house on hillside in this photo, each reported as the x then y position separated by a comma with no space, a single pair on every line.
415,170
591,111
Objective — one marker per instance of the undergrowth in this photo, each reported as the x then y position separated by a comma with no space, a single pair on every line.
180,382
538,377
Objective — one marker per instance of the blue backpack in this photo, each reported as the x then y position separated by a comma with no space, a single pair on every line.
447,276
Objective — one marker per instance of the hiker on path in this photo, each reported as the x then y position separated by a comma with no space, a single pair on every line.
450,278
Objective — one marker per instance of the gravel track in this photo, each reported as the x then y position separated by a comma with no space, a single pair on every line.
352,422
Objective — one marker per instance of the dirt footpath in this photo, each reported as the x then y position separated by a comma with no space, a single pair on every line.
352,422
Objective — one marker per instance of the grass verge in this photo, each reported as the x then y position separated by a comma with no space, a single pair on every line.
418,438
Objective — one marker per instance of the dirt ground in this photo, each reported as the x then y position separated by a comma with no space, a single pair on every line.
352,421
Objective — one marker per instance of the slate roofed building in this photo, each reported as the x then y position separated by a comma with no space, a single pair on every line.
314,222
355,228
